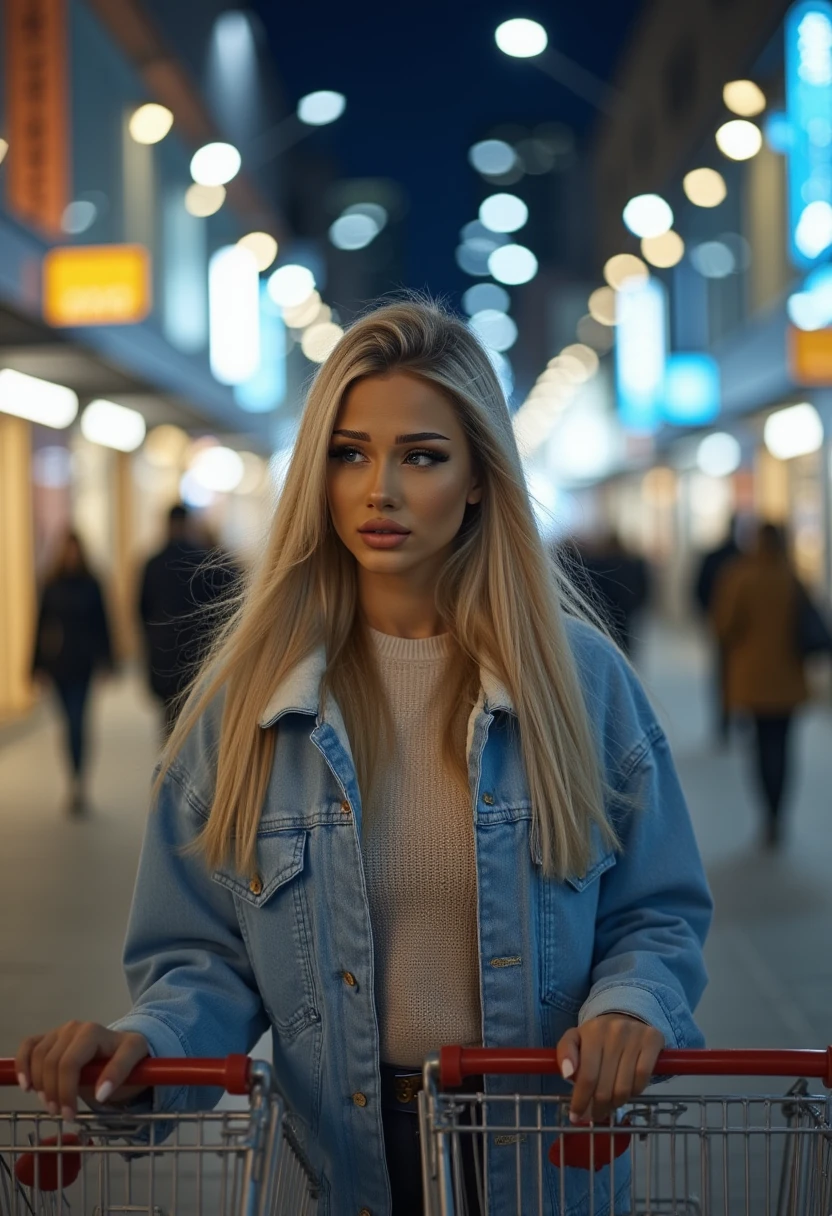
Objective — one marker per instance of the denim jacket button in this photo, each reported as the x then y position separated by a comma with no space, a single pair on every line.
364,1212
256,885
349,978
360,1099
345,807
488,799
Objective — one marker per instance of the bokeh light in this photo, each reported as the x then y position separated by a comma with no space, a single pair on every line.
704,187
602,305
718,455
512,264
492,157
215,164
739,139
521,38
648,215
320,340
291,285
623,266
203,201
593,333
665,250
262,245
354,231
744,97
495,329
486,295
503,213
320,108
149,124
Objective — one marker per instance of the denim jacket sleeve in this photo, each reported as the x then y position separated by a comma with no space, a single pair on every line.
186,963
654,905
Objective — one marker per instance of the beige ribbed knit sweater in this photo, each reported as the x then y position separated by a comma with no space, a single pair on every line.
418,850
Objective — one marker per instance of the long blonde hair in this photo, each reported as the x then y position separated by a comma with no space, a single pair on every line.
499,596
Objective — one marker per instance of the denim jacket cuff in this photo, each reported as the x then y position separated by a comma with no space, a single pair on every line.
163,1042
635,1001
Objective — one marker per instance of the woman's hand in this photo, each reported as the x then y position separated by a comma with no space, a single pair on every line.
611,1058
51,1064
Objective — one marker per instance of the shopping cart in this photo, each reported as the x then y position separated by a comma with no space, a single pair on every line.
667,1155
242,1162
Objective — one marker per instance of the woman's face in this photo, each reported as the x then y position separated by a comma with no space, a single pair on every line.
399,454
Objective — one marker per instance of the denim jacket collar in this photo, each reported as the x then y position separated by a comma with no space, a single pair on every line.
299,690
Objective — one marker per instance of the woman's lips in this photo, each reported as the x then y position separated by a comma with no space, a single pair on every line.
384,540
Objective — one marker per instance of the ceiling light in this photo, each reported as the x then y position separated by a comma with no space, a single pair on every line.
203,201
648,215
744,97
795,431
719,455
298,316
492,157
291,285
150,123
503,213
602,305
739,139
321,108
215,164
521,38
36,400
623,266
665,250
512,264
319,341
704,187
165,446
218,469
262,245
113,426
354,231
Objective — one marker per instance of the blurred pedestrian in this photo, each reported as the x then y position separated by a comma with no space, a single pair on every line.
711,566
619,584
72,641
756,608
182,586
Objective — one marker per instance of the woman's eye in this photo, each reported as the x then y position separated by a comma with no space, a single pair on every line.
423,458
341,453
431,457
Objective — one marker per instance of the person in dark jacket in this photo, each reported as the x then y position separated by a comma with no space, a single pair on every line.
710,569
72,641
180,587
618,582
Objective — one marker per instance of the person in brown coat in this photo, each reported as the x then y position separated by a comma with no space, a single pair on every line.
755,614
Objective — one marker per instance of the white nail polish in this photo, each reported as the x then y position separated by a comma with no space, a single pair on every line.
104,1090
567,1069
22,1082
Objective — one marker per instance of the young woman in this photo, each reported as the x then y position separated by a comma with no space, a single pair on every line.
409,801
72,641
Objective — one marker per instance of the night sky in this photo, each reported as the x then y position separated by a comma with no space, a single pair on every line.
425,82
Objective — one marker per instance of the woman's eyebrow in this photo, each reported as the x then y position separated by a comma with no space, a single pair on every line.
419,437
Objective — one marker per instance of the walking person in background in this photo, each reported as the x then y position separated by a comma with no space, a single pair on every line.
618,585
180,585
711,567
756,617
72,641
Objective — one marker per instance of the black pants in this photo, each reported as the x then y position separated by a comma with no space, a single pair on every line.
72,695
772,740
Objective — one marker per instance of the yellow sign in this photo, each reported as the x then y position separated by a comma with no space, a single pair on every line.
810,355
96,285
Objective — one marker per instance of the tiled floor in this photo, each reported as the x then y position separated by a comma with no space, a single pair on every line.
65,885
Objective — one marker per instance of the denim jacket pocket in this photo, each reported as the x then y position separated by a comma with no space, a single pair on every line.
273,912
568,912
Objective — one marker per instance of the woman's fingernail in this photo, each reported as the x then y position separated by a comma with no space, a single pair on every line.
573,1118
104,1090
53,1109
22,1081
567,1069
67,1114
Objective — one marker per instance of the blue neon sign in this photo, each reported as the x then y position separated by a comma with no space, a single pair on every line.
640,351
266,389
691,389
808,36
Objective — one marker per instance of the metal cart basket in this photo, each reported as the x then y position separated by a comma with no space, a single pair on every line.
663,1155
246,1162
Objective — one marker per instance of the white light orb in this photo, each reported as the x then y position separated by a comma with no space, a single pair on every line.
291,285
512,264
193,494
794,431
602,306
215,164
648,215
584,354
321,108
719,455
521,38
374,210
713,260
804,311
813,232
150,123
503,213
165,446
472,256
486,295
623,266
663,251
492,157
495,329
320,340
739,139
113,426
354,231
744,97
262,245
203,201
218,469
704,187
78,216
299,316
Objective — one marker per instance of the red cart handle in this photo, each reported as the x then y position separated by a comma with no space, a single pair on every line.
458,1062
233,1074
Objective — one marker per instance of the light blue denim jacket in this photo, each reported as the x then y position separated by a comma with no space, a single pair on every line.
215,959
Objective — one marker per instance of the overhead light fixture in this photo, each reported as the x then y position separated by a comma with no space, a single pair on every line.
521,38
512,264
113,426
149,124
794,431
321,108
217,469
663,251
203,201
233,314
744,97
291,285
623,266
503,213
492,157
739,139
704,187
37,400
602,304
215,164
718,455
648,215
262,245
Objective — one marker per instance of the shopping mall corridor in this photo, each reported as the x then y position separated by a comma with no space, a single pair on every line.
65,884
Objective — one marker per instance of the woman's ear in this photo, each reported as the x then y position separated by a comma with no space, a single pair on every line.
474,494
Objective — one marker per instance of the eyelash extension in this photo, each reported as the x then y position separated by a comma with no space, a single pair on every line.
337,453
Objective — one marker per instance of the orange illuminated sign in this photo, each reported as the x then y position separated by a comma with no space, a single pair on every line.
37,108
810,355
96,285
